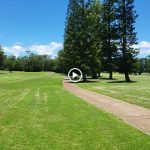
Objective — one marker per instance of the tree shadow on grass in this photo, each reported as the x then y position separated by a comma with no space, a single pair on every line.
2,73
103,78
122,82
88,81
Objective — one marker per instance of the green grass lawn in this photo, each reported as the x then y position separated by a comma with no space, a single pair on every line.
137,92
37,113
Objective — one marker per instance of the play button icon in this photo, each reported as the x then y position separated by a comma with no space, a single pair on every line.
75,75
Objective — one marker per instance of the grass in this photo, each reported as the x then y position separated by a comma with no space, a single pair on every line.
37,113
136,92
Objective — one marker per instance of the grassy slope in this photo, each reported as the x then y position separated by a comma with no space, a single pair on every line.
136,92
38,114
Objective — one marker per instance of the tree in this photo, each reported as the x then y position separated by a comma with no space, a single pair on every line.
72,58
109,35
9,63
75,37
93,36
1,56
126,16
148,64
46,63
139,66
34,63
81,39
60,62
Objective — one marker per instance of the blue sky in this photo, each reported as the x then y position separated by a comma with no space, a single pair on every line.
39,25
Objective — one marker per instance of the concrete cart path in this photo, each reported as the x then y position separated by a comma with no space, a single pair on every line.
134,115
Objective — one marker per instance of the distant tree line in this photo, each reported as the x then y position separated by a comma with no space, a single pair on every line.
142,65
36,63
29,63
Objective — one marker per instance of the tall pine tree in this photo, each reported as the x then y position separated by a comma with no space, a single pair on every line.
109,35
126,16
93,37
81,42
75,39
71,54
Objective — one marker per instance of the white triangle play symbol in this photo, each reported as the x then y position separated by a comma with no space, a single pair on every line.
74,75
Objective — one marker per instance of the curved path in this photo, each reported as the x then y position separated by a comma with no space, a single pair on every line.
134,115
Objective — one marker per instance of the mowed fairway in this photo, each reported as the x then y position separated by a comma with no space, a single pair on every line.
136,92
37,113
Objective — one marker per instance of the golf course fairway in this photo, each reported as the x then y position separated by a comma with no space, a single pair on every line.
37,113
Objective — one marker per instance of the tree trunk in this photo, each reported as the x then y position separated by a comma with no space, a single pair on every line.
125,66
110,49
110,75
84,77
94,75
127,78
99,74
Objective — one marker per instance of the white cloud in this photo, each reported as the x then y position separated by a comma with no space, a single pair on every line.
144,47
50,49
14,50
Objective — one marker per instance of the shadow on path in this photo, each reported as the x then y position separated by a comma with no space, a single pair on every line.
122,82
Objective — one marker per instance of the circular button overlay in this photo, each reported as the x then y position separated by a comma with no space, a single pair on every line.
75,75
